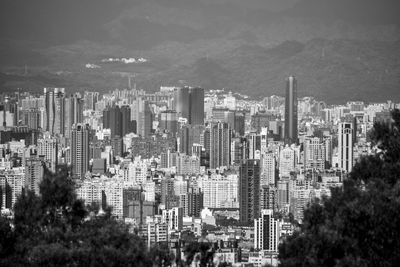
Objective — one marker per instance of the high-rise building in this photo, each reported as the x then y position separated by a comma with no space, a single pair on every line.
287,161
345,146
118,120
189,104
80,150
291,134
219,191
48,148
220,142
283,196
73,110
249,190
268,165
182,102
254,146
168,121
192,202
268,197
33,174
266,232
54,106
173,218
196,106
314,153
90,99
31,118
239,123
188,136
144,118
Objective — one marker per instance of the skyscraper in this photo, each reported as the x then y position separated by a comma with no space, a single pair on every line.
143,117
80,150
73,110
54,106
345,146
249,190
118,120
291,134
196,106
220,142
182,100
189,104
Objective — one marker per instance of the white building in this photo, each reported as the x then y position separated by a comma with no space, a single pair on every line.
268,163
219,191
287,161
173,218
345,146
266,232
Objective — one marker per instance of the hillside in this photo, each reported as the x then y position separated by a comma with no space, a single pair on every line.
335,70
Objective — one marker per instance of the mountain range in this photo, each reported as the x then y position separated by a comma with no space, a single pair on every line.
338,50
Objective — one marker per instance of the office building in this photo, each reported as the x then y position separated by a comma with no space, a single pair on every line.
34,171
196,106
48,149
80,150
73,110
249,190
192,202
268,197
220,142
268,168
314,153
266,232
189,104
54,110
345,146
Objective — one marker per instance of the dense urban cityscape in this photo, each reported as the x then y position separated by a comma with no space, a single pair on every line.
186,162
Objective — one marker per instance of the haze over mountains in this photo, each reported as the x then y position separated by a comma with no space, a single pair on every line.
339,50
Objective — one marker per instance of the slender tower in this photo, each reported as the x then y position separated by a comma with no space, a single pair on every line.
291,134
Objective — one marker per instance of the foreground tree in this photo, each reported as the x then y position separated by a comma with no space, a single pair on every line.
53,229
360,224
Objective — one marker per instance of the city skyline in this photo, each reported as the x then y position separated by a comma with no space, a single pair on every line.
199,133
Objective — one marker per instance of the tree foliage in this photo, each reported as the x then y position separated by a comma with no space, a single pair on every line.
360,224
54,229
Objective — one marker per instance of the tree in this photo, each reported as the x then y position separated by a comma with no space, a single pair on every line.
359,224
53,229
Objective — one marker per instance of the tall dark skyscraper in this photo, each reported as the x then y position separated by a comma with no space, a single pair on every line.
189,104
196,106
220,144
73,110
118,120
291,134
249,190
182,101
80,150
